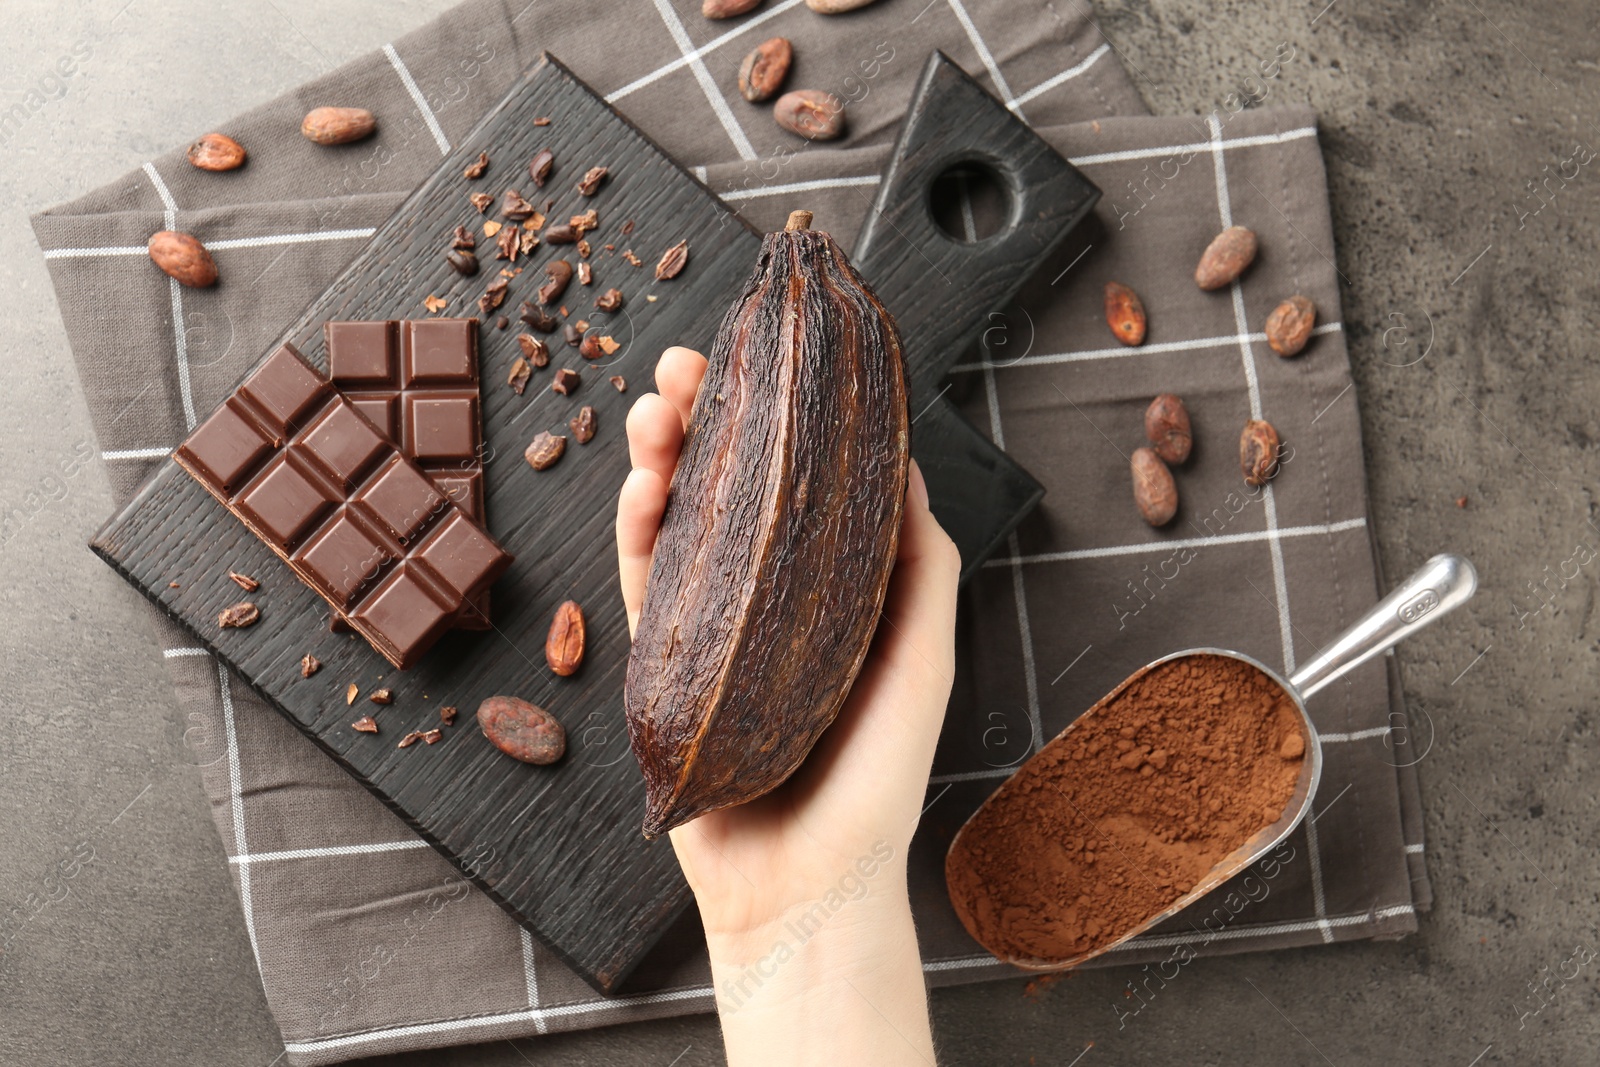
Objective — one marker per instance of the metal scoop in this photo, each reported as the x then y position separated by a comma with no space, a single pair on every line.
1444,583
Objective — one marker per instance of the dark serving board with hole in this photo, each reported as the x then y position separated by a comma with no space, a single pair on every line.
559,847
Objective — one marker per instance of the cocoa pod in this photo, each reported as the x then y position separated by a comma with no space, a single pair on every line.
217,151
773,559
563,646
182,256
726,9
1153,488
1258,452
522,730
1125,313
810,113
1289,326
338,125
1225,258
1166,424
763,70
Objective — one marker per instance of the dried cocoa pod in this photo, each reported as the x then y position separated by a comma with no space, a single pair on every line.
563,646
1166,424
1125,313
1289,326
1153,488
1225,258
217,151
521,730
774,557
763,70
338,125
1258,452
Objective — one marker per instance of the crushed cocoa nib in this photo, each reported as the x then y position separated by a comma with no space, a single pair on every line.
351,691
557,274
589,184
514,207
432,736
627,254
534,350
610,300
608,345
584,249
366,724
582,424
573,335
560,233
589,347
501,322
244,581
481,201
238,616
447,715
382,696
508,243
567,382
540,165
585,274
410,739
542,120
309,665
476,168
545,450
536,317
463,238
465,263
620,382
493,296
627,227
528,241
589,220
611,248
672,261
521,371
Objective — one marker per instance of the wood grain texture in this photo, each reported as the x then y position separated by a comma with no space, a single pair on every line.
559,847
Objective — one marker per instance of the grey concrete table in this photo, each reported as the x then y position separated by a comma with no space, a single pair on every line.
1472,323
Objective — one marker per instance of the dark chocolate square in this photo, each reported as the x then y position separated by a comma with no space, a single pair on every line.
225,450
443,428
405,612
382,410
343,559
360,351
284,388
401,498
283,503
440,351
459,554
464,489
343,443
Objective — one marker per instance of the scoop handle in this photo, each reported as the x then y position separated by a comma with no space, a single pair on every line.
1443,584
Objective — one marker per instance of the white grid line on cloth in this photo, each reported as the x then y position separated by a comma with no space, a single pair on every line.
1124,351
1019,591
704,50
1253,141
1189,542
801,187
179,653
236,809
1268,498
983,53
454,1025
1065,76
137,453
1413,850
708,85
265,241
1230,933
531,977
245,859
180,336
421,101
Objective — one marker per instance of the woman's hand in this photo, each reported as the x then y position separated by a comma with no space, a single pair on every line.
843,823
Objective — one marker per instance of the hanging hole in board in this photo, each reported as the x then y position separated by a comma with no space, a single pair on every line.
969,201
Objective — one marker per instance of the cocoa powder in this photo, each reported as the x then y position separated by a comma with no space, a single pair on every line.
1119,817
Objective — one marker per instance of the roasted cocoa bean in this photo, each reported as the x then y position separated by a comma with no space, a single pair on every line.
338,125
763,70
560,233
1225,258
1289,326
835,7
563,647
464,262
545,450
1153,488
540,166
182,256
1258,452
810,113
1125,313
522,730
557,274
726,9
217,152
1166,424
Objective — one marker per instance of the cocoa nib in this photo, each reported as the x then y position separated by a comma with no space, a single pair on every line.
521,371
620,383
309,665
582,424
463,238
447,715
508,243
590,183
557,274
535,350
585,273
239,616
540,166
566,382
494,295
366,724
573,335
514,207
560,233
672,261
465,263
382,696
410,739
536,317
481,201
244,581
544,451
476,168
610,300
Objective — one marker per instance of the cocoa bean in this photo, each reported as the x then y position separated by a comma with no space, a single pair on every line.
835,7
1225,258
540,165
672,261
522,730
566,382
563,646
560,233
338,125
182,256
463,261
810,113
763,70
217,151
726,9
1258,452
1125,313
557,273
1289,326
1166,424
545,450
1153,488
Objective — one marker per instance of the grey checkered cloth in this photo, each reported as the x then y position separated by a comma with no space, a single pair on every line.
367,941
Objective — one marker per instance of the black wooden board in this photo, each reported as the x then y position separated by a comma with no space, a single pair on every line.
558,847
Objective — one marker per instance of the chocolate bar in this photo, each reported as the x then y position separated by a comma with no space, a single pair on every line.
417,381
361,524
